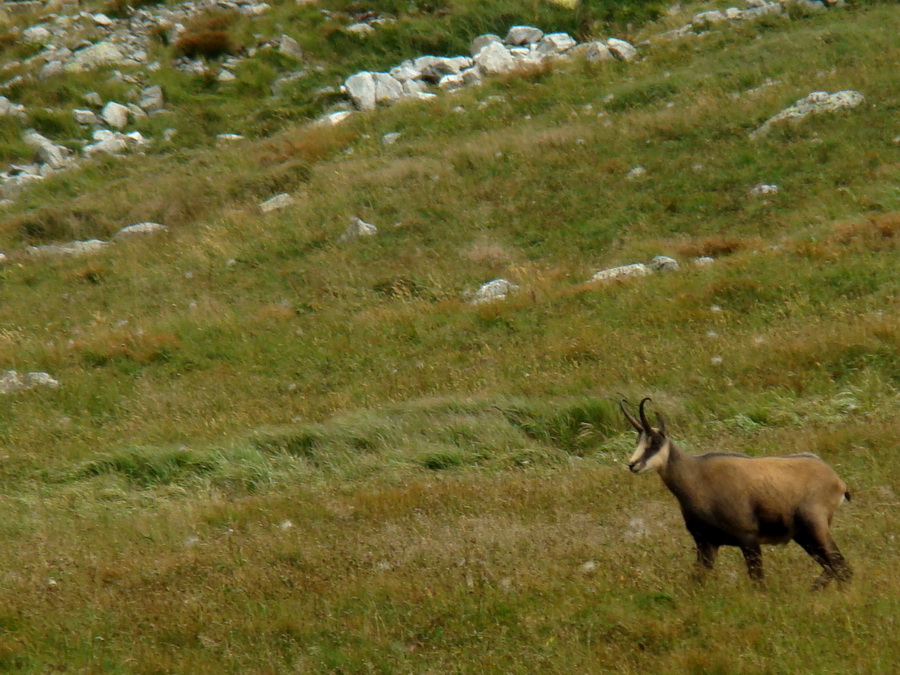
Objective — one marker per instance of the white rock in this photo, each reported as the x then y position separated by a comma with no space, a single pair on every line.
47,151
361,29
279,201
390,138
624,51
636,172
152,99
115,115
12,381
622,272
704,261
662,263
494,290
102,20
764,189
290,47
494,58
387,89
228,138
360,87
36,35
713,16
523,35
814,103
554,44
482,41
74,248
593,52
86,117
96,55
358,228
335,118
140,229
111,145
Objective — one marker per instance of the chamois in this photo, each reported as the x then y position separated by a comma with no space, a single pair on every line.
732,499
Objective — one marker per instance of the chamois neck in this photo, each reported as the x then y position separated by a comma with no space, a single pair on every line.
677,469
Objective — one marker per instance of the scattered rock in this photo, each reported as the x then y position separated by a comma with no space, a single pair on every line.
74,248
622,50
763,189
12,381
140,229
704,261
47,151
482,41
636,172
622,272
36,35
100,54
391,138
358,228
290,47
115,115
152,99
523,35
360,87
814,103
663,263
360,29
279,201
494,290
85,117
494,58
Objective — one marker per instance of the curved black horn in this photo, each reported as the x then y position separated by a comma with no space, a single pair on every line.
643,414
629,416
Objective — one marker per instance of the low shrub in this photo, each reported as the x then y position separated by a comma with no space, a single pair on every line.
209,44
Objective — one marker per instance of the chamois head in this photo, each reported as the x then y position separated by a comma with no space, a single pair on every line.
653,445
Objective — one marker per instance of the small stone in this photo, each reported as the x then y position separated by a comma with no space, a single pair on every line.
390,138
279,201
140,229
360,29
636,172
85,117
764,189
115,115
622,272
622,50
497,289
704,261
290,47
358,228
664,263
523,35
482,41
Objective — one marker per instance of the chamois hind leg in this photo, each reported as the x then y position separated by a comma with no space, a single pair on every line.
753,557
815,538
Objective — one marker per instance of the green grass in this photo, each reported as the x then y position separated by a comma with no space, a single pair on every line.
271,451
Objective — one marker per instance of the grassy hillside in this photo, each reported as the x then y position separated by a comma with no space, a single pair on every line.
272,451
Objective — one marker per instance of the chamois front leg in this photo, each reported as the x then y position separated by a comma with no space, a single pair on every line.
753,558
706,559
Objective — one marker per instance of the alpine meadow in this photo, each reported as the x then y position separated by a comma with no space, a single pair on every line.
348,399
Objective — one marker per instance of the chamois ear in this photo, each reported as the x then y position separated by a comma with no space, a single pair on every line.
662,424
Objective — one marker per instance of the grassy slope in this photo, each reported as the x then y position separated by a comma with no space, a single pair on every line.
318,456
